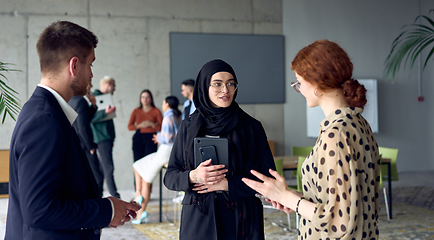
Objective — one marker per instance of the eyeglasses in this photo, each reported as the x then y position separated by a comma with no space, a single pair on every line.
218,86
296,86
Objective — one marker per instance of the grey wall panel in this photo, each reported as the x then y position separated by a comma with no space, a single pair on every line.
258,61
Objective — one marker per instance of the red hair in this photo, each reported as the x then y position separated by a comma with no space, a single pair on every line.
327,66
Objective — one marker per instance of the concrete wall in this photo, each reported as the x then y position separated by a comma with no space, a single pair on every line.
133,49
366,30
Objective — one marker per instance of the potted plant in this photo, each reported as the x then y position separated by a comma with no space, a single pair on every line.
9,102
409,44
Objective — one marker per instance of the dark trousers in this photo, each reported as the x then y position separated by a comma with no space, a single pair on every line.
105,155
96,170
143,145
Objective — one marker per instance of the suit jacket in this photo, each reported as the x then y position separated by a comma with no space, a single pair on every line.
82,123
52,192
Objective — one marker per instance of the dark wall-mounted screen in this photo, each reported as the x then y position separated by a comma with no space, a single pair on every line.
258,61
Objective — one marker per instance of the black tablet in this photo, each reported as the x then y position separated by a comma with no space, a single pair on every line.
215,148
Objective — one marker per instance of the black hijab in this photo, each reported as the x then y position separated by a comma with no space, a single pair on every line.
209,120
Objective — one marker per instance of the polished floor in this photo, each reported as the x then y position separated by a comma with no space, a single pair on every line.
424,181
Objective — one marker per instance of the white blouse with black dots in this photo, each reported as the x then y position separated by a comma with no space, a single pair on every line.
341,176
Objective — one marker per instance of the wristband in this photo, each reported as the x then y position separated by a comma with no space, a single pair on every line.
298,203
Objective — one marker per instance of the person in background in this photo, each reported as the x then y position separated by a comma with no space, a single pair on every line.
85,106
146,121
187,88
103,131
52,191
217,204
341,175
148,167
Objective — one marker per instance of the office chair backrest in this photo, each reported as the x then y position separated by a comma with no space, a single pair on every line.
279,166
392,154
301,151
299,175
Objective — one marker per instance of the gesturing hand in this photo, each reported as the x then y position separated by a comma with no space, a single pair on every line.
124,211
272,188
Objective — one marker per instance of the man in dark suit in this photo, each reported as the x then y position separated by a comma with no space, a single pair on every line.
85,106
187,88
52,191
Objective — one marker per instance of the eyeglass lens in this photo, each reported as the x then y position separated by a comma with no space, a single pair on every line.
296,86
230,86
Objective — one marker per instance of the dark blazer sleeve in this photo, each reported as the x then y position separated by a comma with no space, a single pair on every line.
82,123
56,187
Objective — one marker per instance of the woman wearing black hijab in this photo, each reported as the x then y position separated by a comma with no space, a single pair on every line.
217,204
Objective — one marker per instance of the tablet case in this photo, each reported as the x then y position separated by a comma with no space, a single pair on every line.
102,101
221,147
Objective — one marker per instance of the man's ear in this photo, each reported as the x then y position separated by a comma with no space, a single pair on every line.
73,66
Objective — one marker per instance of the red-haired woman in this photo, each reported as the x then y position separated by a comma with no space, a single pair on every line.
341,175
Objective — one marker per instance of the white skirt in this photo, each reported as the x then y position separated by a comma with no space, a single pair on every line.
149,166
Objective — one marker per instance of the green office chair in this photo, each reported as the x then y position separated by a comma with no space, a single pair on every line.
279,166
298,187
300,151
392,154
385,196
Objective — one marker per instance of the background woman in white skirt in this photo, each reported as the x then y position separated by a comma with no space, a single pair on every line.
149,166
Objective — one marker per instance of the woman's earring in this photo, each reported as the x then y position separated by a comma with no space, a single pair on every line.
316,94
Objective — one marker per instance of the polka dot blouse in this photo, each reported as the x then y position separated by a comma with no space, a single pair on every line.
341,176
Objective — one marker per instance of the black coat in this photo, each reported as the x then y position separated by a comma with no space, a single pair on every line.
82,123
248,149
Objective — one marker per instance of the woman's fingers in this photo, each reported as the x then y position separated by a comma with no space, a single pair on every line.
215,179
214,173
199,187
259,175
205,163
257,186
276,175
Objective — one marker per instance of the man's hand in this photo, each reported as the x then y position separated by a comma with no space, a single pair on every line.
124,211
91,98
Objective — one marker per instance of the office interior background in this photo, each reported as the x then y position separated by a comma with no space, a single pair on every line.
134,49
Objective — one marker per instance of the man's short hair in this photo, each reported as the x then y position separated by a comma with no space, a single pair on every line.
188,82
105,80
61,41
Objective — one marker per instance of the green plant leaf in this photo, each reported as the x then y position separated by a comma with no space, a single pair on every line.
9,102
409,44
